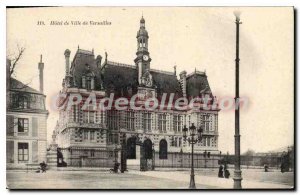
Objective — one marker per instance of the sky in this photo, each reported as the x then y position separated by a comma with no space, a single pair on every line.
188,37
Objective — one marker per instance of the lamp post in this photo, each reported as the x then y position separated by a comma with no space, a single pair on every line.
237,164
192,140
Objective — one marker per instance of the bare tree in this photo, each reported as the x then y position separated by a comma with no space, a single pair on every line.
14,60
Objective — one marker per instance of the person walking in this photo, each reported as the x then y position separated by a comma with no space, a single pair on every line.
226,173
220,174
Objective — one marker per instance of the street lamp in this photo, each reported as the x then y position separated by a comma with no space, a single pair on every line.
190,138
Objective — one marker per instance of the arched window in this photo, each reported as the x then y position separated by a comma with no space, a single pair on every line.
148,149
131,148
163,149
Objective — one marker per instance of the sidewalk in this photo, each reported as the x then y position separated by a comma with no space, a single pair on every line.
211,182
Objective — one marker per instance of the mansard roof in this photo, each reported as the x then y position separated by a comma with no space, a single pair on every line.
196,84
84,64
17,85
122,77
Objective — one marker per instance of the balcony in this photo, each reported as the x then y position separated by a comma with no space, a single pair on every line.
84,125
212,133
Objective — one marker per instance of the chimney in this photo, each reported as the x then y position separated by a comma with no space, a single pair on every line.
98,61
67,57
41,69
182,76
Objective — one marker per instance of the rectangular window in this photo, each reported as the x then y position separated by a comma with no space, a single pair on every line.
130,120
110,138
113,119
23,151
85,116
86,135
206,122
88,116
177,125
92,153
22,125
147,121
23,102
92,135
88,84
91,117
162,122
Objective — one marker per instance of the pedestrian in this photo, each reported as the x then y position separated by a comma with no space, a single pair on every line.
220,174
226,173
266,168
43,166
282,168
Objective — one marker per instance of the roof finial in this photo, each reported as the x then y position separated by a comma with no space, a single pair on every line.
175,69
78,47
105,57
93,51
41,59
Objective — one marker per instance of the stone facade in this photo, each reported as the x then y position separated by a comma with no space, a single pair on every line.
91,137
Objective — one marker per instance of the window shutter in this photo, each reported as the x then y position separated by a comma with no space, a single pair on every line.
34,127
10,125
9,151
34,151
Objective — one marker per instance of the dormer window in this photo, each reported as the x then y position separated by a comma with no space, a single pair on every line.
88,82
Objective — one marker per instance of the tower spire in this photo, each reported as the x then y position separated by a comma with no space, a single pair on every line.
142,59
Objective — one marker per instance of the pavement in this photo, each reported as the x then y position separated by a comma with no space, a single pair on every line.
100,178
213,182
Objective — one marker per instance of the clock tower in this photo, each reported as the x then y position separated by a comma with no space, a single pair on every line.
142,59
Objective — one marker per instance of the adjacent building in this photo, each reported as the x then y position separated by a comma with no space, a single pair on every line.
26,122
88,137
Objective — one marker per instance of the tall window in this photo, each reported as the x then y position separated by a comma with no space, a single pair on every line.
88,83
162,122
89,115
92,153
92,135
22,125
206,122
177,123
110,138
130,120
113,119
147,121
85,135
23,151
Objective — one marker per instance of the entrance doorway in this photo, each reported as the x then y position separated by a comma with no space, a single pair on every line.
139,154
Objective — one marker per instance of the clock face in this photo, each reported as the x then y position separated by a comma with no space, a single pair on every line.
145,57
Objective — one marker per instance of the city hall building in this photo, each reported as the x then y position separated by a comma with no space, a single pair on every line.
89,137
